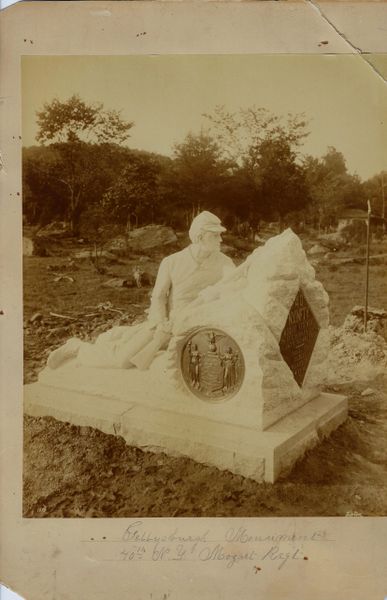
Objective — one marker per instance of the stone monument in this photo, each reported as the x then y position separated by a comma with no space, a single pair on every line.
239,385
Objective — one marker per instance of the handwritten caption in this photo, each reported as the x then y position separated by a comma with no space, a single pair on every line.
235,545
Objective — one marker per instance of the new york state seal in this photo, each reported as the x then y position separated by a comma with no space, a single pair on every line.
212,364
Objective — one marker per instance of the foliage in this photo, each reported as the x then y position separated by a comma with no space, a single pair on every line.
375,189
77,132
198,176
280,181
75,121
133,197
45,174
264,147
43,199
355,232
246,167
331,188
237,132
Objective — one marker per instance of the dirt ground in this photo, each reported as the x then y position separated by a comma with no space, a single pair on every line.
80,472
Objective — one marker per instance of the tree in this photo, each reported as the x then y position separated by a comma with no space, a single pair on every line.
134,195
96,226
375,190
265,147
236,133
198,176
280,181
75,121
43,199
74,130
331,187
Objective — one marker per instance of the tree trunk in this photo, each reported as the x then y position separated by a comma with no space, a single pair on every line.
71,212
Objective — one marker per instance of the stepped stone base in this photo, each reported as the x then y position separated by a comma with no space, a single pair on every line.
150,420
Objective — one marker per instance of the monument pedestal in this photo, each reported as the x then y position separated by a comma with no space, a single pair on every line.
239,386
151,421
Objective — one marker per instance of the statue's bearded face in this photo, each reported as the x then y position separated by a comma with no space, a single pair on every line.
210,241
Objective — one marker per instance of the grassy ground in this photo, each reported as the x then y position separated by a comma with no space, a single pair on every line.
346,288
77,471
80,472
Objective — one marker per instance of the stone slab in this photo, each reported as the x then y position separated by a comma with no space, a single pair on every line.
74,407
134,385
241,449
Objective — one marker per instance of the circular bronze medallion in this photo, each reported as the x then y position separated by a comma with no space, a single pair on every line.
212,364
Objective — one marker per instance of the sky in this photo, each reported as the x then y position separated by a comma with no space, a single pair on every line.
343,98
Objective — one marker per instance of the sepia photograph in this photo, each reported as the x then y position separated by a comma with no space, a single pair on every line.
204,289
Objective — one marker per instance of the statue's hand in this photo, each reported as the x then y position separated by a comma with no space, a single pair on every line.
163,333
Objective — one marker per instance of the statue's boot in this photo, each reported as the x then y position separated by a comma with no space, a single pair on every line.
69,350
114,353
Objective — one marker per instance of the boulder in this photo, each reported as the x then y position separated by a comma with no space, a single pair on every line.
54,229
90,254
332,241
376,322
34,247
368,392
151,236
118,245
28,246
115,283
316,249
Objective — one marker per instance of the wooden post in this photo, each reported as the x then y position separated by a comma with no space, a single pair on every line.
383,205
367,266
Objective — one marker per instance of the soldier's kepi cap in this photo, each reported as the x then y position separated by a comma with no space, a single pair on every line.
205,221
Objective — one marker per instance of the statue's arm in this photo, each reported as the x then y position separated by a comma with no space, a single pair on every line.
158,311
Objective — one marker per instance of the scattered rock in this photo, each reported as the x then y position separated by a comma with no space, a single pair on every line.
377,313
36,318
332,241
60,277
317,249
368,392
34,247
119,245
151,236
28,246
376,320
115,283
355,354
54,229
89,254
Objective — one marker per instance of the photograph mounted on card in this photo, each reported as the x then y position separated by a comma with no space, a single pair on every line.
193,256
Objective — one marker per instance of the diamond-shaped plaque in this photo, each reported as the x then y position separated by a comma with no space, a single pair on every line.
298,337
